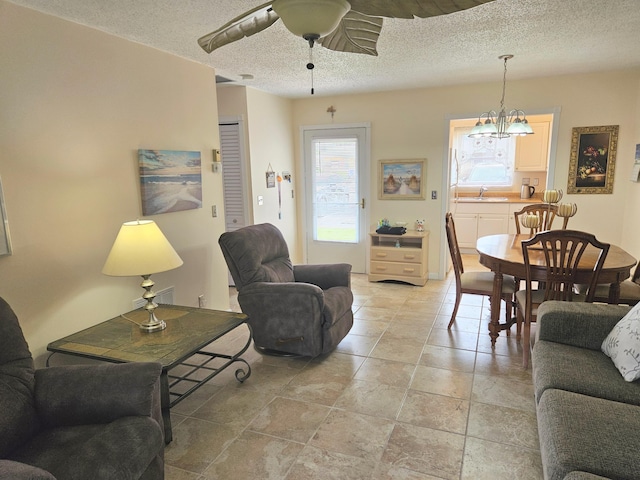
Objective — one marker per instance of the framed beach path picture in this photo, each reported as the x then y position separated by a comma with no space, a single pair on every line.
402,179
170,181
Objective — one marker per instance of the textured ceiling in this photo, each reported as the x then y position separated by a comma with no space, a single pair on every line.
547,37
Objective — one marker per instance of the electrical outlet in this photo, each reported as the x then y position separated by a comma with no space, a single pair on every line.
536,181
202,302
214,211
434,195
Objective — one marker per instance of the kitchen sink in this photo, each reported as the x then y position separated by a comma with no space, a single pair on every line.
482,199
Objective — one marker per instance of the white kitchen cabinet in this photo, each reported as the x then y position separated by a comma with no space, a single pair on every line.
532,151
466,229
492,224
513,208
475,220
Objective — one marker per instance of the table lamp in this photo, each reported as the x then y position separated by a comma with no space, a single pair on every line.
141,249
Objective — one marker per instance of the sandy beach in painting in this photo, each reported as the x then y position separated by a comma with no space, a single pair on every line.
169,196
170,181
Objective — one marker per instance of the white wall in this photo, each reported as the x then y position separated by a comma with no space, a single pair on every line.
631,225
269,141
413,124
76,105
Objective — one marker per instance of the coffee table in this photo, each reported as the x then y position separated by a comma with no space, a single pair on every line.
184,346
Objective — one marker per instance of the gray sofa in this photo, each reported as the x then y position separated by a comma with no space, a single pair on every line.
588,415
76,422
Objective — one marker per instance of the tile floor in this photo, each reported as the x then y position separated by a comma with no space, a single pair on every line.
400,398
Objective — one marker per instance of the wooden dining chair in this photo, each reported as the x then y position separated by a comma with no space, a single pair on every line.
474,283
629,290
562,251
546,212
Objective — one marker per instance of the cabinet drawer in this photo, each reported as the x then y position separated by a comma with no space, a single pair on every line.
406,255
403,269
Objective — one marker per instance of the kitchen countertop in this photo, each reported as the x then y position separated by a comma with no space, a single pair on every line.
497,197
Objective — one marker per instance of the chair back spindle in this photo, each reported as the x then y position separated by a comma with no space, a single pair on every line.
565,252
546,212
454,250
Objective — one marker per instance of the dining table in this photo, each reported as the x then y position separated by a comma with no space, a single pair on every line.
502,254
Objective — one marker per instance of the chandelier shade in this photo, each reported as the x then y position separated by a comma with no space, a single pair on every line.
502,124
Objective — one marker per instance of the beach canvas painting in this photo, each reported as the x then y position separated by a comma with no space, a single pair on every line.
402,179
170,181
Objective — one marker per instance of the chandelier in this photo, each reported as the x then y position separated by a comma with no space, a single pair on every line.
503,124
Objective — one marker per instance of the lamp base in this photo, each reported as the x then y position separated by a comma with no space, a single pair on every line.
153,324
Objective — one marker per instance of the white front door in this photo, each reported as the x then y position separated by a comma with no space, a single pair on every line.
336,186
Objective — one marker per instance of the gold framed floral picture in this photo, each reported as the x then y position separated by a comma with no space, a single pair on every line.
593,159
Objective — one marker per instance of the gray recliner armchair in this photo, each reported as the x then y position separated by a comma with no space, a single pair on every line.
76,422
302,309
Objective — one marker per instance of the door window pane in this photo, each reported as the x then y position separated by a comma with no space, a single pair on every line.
335,184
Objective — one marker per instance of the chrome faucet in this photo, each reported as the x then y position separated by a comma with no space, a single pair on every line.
482,190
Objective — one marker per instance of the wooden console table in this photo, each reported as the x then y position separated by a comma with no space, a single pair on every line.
189,330
399,257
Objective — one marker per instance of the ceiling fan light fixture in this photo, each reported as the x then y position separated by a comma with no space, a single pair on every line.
304,17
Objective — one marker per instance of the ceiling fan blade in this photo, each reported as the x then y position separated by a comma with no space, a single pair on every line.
245,25
356,33
412,8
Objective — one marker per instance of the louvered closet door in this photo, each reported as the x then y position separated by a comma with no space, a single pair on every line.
232,175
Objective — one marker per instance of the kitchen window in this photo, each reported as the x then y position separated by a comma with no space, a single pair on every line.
482,161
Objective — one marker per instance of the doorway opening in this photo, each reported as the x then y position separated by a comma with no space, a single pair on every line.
336,162
484,163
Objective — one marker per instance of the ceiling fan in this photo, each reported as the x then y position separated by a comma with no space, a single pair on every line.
346,26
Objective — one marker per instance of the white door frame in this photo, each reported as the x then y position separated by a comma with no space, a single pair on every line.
446,180
365,181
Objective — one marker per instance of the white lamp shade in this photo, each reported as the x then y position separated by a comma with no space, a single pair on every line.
140,249
518,128
489,128
303,17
